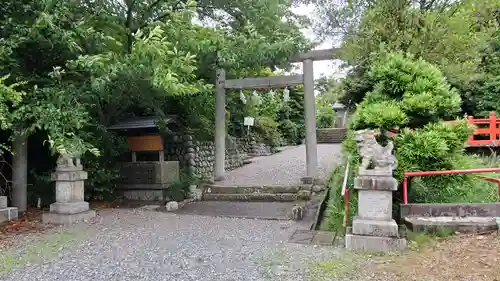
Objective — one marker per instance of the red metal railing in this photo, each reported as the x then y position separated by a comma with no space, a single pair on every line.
407,175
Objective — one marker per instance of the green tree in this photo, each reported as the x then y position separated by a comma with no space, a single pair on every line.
482,95
449,34
87,64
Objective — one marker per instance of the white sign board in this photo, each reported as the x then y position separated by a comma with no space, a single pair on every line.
248,121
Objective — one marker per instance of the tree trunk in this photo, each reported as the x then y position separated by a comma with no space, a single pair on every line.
20,172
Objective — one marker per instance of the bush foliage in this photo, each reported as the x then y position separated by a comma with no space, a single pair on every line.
413,95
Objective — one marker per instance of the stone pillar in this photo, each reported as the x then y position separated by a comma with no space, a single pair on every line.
7,213
373,229
310,122
220,125
70,206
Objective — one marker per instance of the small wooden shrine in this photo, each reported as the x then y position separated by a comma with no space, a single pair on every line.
145,174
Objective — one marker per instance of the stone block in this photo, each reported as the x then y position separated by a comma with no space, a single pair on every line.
375,183
8,214
302,236
144,195
453,224
75,175
69,207
172,206
65,219
375,204
375,227
169,172
69,191
323,238
451,210
374,244
3,202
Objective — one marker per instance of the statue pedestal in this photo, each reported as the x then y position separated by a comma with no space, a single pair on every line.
374,230
70,206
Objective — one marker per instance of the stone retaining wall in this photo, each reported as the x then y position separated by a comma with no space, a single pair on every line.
197,157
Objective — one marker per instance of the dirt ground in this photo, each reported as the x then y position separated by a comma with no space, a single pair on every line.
459,258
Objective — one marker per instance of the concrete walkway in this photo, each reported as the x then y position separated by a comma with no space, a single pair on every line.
283,168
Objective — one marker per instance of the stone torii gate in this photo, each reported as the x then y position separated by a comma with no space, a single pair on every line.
307,79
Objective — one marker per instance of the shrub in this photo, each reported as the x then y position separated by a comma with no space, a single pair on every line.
289,130
333,219
407,92
179,190
325,116
413,95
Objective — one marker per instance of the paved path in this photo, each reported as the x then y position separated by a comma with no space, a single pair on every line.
284,168
146,245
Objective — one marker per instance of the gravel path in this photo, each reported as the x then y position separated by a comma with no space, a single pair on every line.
147,245
284,168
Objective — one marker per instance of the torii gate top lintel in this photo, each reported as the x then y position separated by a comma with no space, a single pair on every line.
276,81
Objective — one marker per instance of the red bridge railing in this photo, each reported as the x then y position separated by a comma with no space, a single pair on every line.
407,175
491,131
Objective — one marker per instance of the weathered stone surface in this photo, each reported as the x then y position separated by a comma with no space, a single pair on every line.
374,243
196,194
69,207
375,183
302,237
374,227
375,204
317,188
298,212
8,214
172,206
455,224
451,210
373,154
224,189
143,195
331,135
3,202
64,219
323,238
307,180
304,194
266,197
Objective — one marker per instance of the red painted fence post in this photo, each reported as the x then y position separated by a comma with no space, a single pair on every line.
493,127
470,120
405,190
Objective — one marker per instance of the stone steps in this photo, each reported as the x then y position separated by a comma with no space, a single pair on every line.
251,197
224,189
281,193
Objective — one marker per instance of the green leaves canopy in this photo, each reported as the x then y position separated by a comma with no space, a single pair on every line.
407,92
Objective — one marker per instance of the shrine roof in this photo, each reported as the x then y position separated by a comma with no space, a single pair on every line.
141,123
